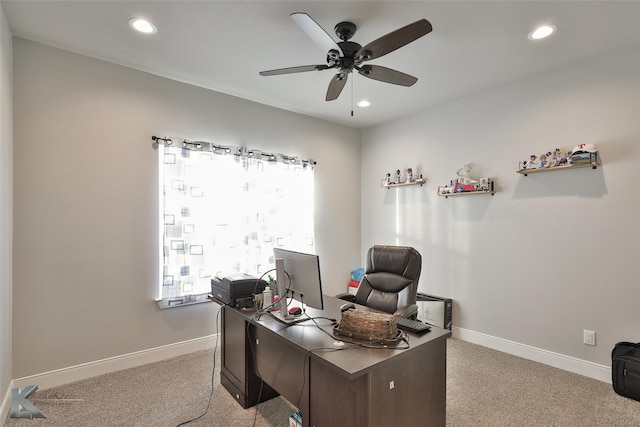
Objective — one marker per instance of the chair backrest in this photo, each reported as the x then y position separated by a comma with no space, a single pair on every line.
390,278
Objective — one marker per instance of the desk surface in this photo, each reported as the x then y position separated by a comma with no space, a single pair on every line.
351,360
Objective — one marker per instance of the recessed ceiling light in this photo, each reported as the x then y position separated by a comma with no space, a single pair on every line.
143,26
364,103
542,32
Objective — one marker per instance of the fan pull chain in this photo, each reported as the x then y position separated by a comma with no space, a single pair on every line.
352,79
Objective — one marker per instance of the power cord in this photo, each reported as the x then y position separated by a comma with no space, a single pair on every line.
255,288
215,349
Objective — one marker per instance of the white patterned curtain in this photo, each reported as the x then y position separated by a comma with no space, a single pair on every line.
223,210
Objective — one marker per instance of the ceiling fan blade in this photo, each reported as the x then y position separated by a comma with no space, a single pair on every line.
387,75
315,32
290,70
336,86
394,40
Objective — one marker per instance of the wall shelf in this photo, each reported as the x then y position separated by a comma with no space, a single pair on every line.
419,181
484,186
525,172
465,193
580,160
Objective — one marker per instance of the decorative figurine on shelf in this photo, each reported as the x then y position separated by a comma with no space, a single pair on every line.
484,184
463,172
556,157
409,175
463,175
399,176
444,190
544,160
533,162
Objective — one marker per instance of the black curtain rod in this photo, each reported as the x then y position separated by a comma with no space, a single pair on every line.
198,144
157,138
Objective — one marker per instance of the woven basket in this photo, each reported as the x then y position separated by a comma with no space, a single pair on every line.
368,325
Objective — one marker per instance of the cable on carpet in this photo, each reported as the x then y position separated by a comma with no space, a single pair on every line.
215,349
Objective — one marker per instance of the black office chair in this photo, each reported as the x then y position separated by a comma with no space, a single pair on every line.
390,281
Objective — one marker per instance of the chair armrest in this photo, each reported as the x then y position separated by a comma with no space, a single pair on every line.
408,311
350,297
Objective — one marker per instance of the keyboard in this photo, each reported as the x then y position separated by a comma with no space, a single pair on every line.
412,325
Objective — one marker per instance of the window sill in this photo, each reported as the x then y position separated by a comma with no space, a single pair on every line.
183,301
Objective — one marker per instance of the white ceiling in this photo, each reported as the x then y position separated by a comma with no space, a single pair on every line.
222,45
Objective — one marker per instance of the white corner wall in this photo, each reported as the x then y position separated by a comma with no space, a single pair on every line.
550,254
6,212
85,208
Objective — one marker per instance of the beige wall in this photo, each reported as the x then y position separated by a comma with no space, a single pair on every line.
85,245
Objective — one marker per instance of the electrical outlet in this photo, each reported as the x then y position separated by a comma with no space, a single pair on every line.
589,337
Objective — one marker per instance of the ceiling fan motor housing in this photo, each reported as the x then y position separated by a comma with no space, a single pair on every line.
349,50
345,30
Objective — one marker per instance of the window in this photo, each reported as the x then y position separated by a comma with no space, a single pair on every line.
223,211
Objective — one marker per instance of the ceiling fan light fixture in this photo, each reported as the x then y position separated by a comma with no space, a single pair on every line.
542,32
363,104
142,26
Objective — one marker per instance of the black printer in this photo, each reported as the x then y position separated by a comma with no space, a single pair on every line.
236,290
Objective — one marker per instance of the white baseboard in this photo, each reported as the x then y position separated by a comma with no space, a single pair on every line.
112,364
6,404
87,370
560,361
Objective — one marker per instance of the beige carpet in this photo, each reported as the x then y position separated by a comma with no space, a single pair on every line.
484,388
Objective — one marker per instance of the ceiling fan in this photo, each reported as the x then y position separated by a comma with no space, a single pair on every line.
346,56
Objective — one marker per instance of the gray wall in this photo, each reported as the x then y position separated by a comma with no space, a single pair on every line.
6,206
550,254
85,201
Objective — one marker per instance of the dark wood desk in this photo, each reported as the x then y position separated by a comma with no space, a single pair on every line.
334,386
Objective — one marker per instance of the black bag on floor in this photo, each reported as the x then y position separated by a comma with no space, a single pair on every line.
625,369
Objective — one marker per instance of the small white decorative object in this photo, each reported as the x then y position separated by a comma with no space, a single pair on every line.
463,175
484,184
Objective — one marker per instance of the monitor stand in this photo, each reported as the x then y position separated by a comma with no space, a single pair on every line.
283,314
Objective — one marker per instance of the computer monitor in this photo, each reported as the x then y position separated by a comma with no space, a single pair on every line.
301,277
